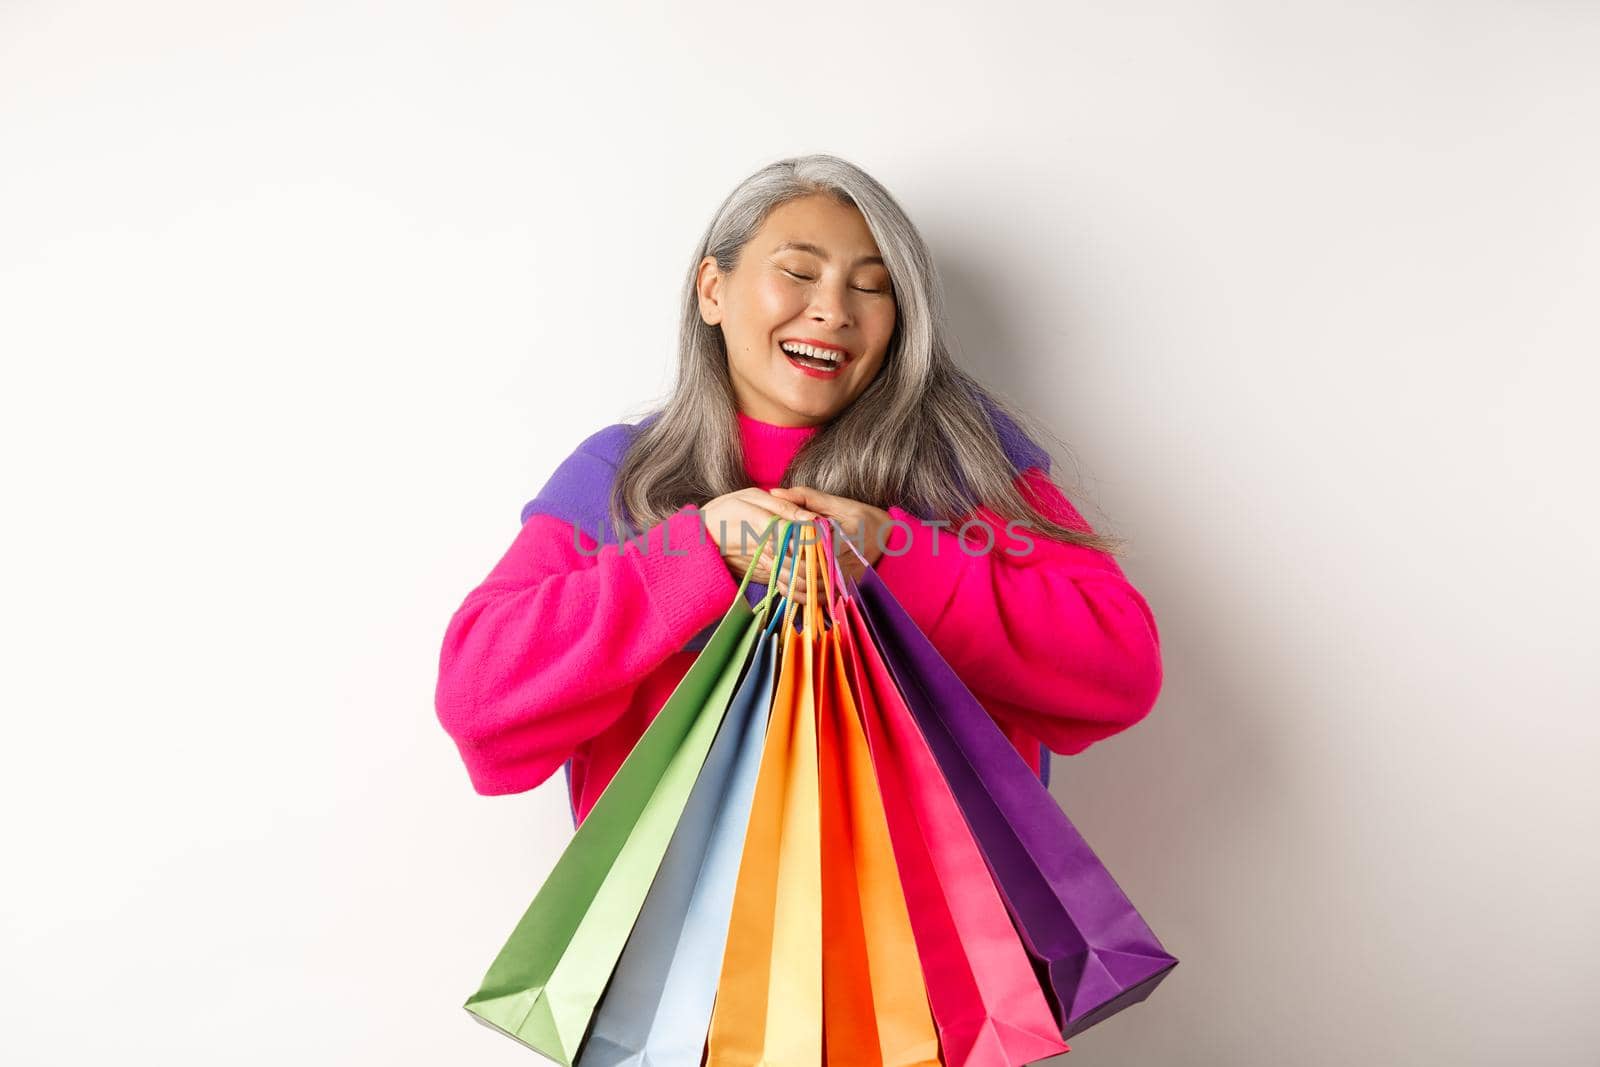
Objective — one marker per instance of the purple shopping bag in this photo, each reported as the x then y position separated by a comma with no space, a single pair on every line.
1094,953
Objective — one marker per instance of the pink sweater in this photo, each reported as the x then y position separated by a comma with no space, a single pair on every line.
561,653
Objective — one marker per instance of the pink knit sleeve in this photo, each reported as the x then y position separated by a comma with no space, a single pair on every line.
1056,641
545,652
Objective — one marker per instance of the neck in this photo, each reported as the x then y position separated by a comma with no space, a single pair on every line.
768,448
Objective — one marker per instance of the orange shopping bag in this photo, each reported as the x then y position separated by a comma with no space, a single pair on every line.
768,1011
874,1004
988,1005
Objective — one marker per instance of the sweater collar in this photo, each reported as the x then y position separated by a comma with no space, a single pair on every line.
769,448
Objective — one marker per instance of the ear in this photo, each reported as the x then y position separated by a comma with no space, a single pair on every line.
708,289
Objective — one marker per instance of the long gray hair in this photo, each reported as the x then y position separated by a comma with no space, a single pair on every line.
917,436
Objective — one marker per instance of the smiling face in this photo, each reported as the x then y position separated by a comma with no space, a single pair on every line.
806,315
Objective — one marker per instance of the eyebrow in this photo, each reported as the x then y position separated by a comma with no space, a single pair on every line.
806,246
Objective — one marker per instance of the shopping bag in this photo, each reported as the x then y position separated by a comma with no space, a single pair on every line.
768,1011
874,1001
985,998
657,1009
1095,953
544,986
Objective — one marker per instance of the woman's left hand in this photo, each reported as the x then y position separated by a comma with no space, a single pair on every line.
866,526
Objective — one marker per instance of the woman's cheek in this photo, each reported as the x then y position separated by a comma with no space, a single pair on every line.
778,302
883,327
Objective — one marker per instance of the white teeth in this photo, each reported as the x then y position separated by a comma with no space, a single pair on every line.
797,349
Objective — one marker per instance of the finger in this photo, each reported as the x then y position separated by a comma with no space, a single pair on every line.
777,566
769,557
783,570
787,509
799,539
744,525
783,510
794,586
805,536
817,500
764,509
761,573
780,568
753,533
768,552
797,494
788,578
792,511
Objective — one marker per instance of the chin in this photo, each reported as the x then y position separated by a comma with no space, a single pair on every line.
813,408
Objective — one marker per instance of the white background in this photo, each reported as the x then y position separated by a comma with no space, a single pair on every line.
300,302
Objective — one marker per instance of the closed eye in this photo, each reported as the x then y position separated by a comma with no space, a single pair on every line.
808,278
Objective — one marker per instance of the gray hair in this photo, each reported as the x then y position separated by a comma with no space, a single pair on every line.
917,436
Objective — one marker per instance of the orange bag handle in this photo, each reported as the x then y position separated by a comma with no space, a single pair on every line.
813,611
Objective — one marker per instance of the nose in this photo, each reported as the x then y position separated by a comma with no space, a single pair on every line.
829,306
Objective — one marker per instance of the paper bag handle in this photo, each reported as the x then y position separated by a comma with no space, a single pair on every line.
785,608
750,568
832,575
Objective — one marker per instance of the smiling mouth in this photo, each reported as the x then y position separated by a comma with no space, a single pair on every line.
813,358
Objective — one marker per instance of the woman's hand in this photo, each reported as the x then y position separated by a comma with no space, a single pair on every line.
725,520
867,527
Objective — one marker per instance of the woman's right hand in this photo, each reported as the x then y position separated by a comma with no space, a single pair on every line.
725,520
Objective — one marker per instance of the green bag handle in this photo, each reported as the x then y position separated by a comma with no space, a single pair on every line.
773,624
764,605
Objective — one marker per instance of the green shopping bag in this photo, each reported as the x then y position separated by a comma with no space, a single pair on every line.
546,983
